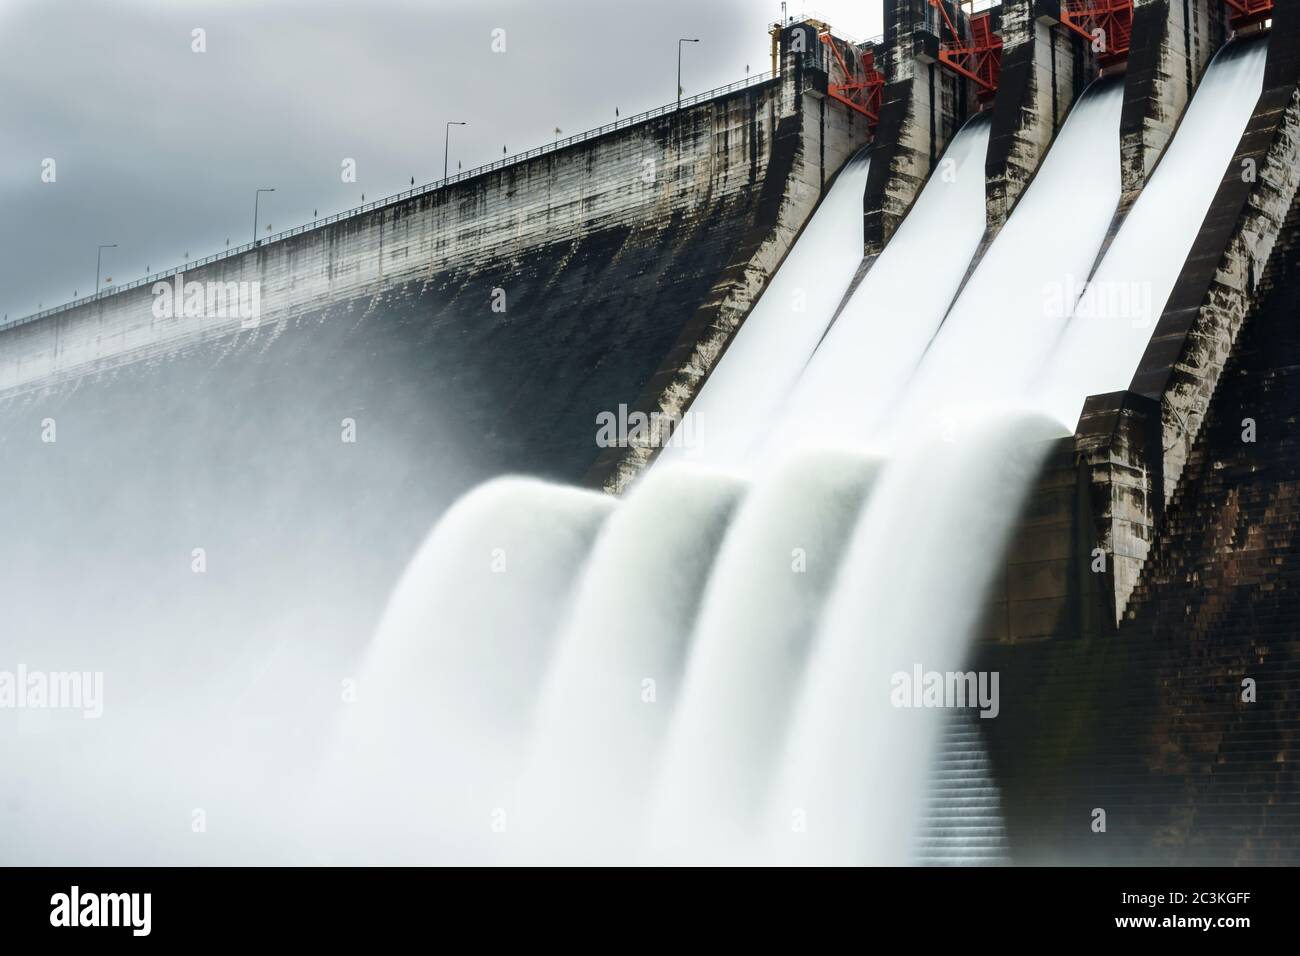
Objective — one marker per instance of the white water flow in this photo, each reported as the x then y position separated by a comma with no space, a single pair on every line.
748,649
614,680
1113,321
717,671
909,595
769,351
873,347
428,752
1012,311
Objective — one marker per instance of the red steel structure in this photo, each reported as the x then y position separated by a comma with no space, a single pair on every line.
977,57
1249,12
1109,23
854,79
1106,24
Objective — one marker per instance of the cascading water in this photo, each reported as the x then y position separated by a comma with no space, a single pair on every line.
725,671
1006,319
909,594
613,682
432,745
1113,321
782,330
872,348
750,642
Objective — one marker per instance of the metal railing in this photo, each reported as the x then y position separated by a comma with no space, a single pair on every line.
624,123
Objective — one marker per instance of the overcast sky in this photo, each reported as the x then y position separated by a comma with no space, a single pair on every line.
159,149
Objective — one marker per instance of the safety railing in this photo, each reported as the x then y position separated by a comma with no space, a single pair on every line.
624,123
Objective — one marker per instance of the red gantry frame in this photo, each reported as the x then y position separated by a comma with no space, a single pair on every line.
1111,22
854,79
1249,12
1105,23
979,57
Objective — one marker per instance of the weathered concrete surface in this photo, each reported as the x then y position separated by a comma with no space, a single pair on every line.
1154,723
812,139
1118,448
1130,446
1172,45
1132,475
1044,69
1086,529
662,174
1046,588
1150,721
924,106
1218,285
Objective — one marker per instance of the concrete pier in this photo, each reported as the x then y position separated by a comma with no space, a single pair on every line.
1218,286
1131,447
1173,43
813,136
924,106
1045,67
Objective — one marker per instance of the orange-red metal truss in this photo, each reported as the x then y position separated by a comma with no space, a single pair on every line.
978,58
1249,12
854,79
1107,24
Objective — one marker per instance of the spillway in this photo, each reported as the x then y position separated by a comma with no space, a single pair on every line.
1117,310
870,351
609,693
454,673
751,642
741,711
731,662
769,351
708,676
1011,312
910,589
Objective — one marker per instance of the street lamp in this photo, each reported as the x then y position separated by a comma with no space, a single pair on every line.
679,67
446,143
257,199
99,258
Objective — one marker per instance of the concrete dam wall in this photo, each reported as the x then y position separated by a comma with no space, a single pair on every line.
267,484
1154,723
571,274
272,479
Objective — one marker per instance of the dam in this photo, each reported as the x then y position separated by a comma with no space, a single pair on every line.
979,337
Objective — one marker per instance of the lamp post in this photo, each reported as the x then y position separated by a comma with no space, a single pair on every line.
99,258
257,198
679,66
446,143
